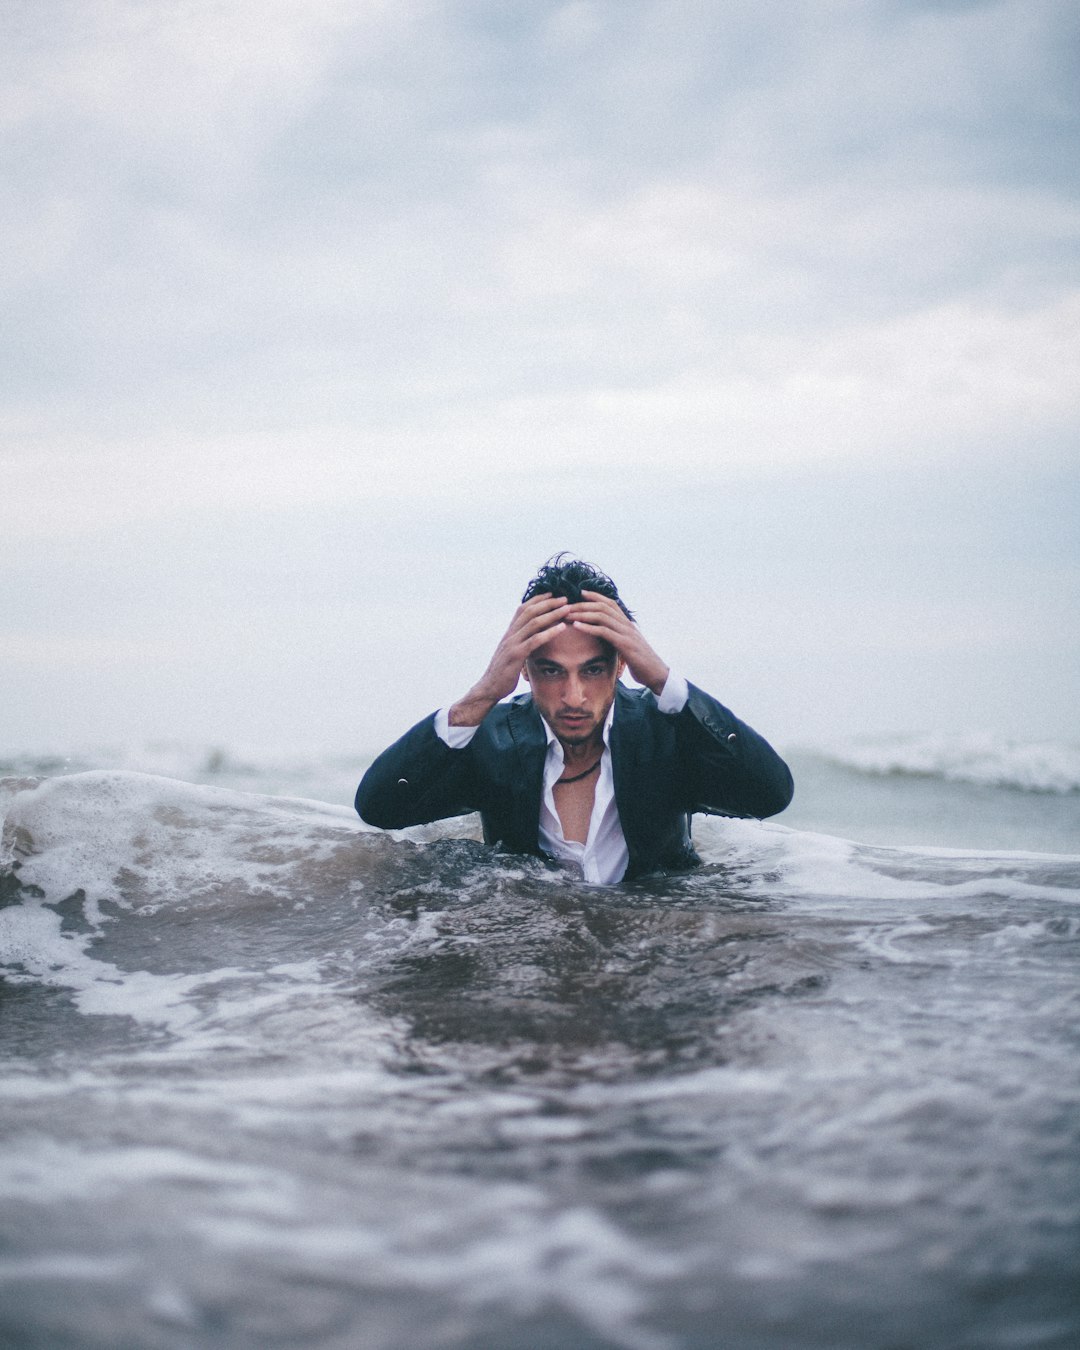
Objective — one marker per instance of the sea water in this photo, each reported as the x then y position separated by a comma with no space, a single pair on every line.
271,1078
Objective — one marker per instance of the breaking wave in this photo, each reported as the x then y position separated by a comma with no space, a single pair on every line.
987,761
269,1077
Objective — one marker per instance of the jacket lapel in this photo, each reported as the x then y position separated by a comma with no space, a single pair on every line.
530,748
624,757
526,731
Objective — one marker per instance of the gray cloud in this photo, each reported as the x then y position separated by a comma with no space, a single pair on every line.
319,282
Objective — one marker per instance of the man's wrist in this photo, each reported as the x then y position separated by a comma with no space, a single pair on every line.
674,695
657,684
457,738
470,711
647,667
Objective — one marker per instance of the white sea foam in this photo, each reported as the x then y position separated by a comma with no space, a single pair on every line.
531,1257
329,776
986,760
66,1267
139,842
407,1087
132,839
34,949
811,866
43,1168
129,840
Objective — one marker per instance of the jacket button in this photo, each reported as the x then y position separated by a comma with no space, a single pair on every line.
731,736
403,782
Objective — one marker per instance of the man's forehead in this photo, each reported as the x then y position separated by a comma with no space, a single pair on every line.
572,648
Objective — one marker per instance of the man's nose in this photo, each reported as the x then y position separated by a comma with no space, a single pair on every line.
575,690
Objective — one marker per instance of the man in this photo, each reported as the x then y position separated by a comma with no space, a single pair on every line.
583,770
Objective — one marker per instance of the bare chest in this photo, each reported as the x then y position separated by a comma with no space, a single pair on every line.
574,803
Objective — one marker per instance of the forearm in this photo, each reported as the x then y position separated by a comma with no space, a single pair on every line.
535,622
417,780
471,710
731,769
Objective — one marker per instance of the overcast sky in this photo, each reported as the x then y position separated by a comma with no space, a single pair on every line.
326,321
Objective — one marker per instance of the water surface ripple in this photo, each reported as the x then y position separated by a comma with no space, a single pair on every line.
271,1079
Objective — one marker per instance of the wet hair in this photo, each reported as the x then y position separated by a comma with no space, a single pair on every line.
563,575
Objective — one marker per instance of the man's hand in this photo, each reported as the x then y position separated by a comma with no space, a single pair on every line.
601,617
534,623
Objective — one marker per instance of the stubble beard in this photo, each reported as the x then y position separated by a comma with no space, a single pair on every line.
592,737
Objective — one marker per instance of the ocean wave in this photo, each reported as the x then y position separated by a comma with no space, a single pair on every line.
135,841
983,760
151,898
269,771
349,1087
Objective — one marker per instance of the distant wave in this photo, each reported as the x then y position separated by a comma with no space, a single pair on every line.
273,771
1051,767
190,762
1031,766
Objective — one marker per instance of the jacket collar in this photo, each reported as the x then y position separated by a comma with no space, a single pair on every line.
625,744
528,732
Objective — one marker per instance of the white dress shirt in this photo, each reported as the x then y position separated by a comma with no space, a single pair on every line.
603,857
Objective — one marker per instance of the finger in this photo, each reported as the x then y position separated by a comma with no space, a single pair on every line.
598,628
538,605
539,639
618,638
541,623
530,616
602,603
594,597
617,622
597,612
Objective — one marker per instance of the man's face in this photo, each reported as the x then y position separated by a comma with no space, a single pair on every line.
573,681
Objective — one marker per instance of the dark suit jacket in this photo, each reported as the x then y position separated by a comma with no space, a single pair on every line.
665,766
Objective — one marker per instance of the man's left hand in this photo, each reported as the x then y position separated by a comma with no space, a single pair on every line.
601,617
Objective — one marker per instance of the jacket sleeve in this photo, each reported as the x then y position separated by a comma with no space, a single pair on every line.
417,780
727,768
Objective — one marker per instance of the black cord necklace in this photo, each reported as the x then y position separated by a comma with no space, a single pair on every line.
565,782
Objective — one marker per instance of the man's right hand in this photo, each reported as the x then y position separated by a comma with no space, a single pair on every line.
534,623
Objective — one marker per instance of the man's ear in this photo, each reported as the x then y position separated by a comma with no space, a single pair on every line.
525,672
620,666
